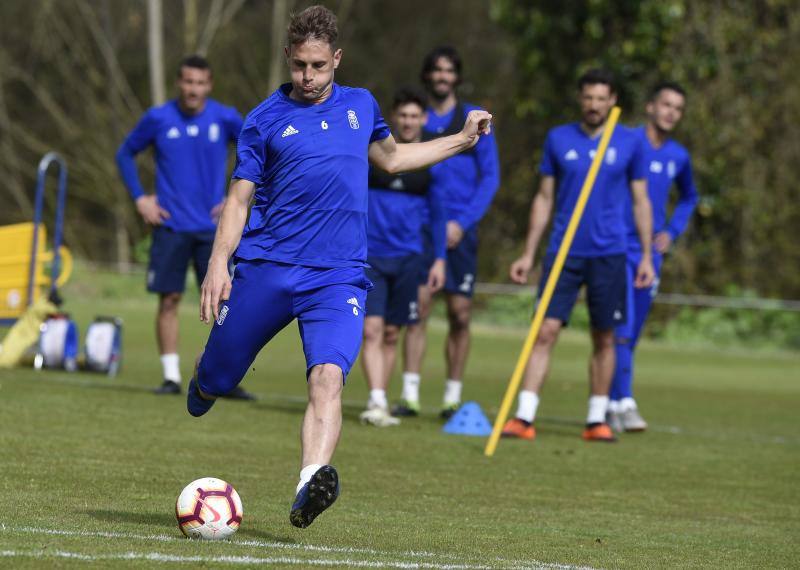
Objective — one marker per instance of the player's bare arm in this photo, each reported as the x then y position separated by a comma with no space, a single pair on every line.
217,284
643,216
541,208
392,157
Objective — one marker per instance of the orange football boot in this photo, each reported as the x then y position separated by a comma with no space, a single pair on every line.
520,429
599,432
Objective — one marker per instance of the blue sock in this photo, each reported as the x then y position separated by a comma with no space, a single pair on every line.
621,385
195,403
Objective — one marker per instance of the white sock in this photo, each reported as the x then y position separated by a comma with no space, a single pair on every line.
305,475
172,367
597,409
411,386
613,406
377,398
452,392
627,404
527,403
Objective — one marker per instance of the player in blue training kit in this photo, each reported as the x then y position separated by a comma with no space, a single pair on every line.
597,255
668,163
303,160
398,206
469,182
190,136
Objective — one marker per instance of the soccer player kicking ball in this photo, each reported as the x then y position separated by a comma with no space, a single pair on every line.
597,256
303,160
667,162
397,207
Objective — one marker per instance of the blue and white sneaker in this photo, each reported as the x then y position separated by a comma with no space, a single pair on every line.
315,496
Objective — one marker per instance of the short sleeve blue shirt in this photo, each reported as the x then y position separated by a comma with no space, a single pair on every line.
309,164
568,154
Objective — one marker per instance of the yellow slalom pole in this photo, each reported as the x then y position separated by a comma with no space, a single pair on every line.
552,279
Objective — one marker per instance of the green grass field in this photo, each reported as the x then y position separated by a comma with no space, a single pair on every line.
90,466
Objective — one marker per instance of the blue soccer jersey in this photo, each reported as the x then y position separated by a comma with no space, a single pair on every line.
191,153
668,164
469,180
309,165
399,206
568,154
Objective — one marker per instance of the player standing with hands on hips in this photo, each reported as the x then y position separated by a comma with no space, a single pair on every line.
303,158
190,136
597,256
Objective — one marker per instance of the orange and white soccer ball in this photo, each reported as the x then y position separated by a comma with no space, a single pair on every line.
209,509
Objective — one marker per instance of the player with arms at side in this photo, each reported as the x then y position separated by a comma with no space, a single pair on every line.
190,136
303,159
667,162
597,256
397,210
469,183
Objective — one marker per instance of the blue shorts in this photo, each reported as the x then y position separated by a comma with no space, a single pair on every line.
462,263
605,279
170,254
395,292
267,296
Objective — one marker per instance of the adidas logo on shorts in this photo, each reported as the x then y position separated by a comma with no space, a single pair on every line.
353,301
289,131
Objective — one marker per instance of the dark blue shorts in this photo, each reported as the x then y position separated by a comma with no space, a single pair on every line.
605,279
266,296
395,292
462,263
170,254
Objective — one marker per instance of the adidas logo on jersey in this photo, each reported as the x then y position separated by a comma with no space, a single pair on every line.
289,131
572,154
173,133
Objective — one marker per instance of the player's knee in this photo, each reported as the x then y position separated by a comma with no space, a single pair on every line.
325,382
373,330
603,340
548,334
391,335
458,318
168,303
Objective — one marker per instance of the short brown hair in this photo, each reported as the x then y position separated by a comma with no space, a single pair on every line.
313,23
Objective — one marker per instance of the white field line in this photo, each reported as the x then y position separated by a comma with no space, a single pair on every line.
498,562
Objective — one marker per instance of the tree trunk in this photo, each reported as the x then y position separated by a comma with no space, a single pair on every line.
155,51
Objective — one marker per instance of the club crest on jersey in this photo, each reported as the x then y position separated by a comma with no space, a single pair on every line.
352,119
213,132
672,169
611,155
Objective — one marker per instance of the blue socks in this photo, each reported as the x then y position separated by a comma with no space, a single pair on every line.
621,385
195,403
